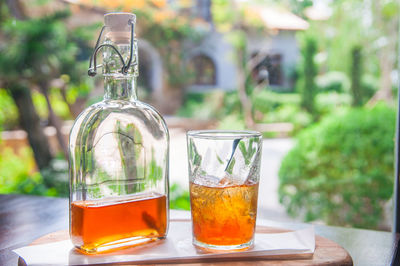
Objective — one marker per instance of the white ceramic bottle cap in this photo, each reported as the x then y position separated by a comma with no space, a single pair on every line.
118,26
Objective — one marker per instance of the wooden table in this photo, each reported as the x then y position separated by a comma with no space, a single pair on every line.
26,218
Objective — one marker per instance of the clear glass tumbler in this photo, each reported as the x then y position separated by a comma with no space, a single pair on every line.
224,172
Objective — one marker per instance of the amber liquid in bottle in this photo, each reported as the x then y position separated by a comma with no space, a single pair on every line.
96,225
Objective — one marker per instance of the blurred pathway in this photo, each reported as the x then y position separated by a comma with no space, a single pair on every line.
273,152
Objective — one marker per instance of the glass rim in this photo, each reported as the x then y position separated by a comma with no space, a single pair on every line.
223,134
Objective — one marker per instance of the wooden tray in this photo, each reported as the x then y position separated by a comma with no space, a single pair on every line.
327,252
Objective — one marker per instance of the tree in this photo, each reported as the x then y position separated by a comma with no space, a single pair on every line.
371,24
385,18
30,122
31,56
230,19
16,8
10,70
356,73
297,6
244,83
309,69
34,52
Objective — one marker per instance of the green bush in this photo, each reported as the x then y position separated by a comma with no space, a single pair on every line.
330,102
333,81
271,107
192,101
231,122
55,176
341,170
370,85
17,176
231,103
289,113
267,101
212,105
201,105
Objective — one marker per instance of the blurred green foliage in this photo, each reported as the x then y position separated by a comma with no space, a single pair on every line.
333,81
212,105
36,48
35,52
8,112
39,51
17,174
268,107
355,22
308,71
370,84
55,176
356,73
179,199
196,105
272,107
331,102
59,105
341,169
267,101
232,122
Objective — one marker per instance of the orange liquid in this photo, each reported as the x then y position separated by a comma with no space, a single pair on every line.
99,223
224,215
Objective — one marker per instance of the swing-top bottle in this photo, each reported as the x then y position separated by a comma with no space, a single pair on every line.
118,154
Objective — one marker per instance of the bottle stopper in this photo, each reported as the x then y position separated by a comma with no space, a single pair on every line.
120,30
119,26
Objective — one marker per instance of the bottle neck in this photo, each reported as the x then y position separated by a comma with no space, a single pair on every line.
120,87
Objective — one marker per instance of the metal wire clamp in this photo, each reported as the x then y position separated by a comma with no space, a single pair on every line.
92,71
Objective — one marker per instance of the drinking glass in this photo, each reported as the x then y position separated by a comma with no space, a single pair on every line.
224,172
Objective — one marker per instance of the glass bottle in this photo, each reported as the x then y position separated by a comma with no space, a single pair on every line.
118,154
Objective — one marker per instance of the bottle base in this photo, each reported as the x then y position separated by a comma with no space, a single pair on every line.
222,248
117,245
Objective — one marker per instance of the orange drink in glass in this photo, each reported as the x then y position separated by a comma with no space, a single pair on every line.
224,175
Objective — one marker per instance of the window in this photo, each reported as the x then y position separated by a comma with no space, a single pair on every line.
203,70
269,68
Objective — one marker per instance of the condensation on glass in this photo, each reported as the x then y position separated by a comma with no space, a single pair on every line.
118,154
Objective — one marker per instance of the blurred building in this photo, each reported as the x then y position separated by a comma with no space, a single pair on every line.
276,50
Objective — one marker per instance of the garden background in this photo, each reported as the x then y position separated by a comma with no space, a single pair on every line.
332,108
